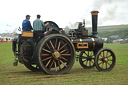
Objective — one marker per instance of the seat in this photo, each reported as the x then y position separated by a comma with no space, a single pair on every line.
27,34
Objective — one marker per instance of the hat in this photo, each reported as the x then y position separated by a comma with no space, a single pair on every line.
28,16
38,16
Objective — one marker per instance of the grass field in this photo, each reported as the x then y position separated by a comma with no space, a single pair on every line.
115,30
10,75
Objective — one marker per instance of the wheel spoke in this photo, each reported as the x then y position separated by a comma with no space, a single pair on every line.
55,66
93,58
46,50
47,58
45,54
100,59
48,62
86,62
109,59
48,46
109,55
85,53
88,53
100,62
56,42
63,63
106,65
51,64
91,53
65,54
63,46
63,50
89,63
59,65
102,65
64,58
59,45
83,57
101,56
52,45
92,61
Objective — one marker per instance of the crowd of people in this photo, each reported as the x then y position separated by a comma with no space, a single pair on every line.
4,40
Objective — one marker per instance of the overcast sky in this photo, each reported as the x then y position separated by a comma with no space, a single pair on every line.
63,12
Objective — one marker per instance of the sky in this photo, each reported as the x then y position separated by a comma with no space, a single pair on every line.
63,12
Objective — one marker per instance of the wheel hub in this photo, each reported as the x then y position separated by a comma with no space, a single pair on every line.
105,60
89,58
56,54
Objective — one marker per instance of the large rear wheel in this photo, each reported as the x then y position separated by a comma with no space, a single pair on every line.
56,54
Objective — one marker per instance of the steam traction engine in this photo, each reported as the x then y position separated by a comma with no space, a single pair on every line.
55,51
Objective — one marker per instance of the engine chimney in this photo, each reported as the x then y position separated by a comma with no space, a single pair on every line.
94,22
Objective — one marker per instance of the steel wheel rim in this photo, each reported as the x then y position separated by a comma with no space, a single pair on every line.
87,59
106,60
59,55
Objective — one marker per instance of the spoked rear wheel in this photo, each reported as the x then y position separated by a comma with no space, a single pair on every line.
27,53
56,54
105,60
86,59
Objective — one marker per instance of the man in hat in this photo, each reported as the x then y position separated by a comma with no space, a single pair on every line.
38,27
26,25
38,24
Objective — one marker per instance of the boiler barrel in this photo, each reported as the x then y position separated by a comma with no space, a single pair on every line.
88,44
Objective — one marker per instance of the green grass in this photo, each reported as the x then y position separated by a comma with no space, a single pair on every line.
113,27
110,28
116,30
10,75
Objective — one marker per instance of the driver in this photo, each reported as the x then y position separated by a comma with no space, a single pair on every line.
38,24
38,27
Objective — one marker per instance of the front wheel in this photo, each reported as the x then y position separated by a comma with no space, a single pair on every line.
105,60
86,59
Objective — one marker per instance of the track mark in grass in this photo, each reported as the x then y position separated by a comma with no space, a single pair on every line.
51,77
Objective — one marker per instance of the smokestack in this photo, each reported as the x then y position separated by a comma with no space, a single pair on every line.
94,22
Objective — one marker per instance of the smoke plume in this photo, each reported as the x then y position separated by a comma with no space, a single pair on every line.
112,12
